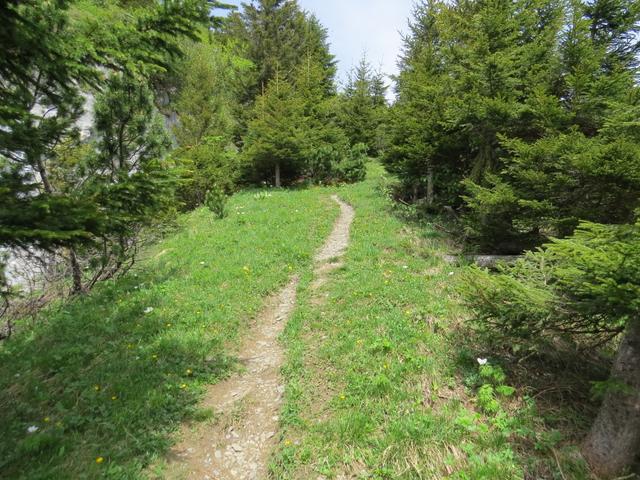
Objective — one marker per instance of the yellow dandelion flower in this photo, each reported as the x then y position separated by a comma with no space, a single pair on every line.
189,371
96,388
168,324
99,460
46,419
342,397
183,386
287,442
114,397
154,357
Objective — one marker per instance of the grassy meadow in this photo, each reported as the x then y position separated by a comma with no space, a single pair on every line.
102,382
382,373
383,379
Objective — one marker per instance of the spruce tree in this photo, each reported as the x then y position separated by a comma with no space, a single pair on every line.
275,142
586,288
363,107
580,159
528,104
294,132
278,36
55,53
206,105
426,155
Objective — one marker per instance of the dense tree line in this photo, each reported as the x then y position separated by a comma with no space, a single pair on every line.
523,117
520,114
363,108
293,127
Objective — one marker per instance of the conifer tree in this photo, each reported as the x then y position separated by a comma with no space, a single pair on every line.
206,105
278,36
584,287
126,174
51,59
295,133
363,107
275,139
293,114
581,157
426,155
521,101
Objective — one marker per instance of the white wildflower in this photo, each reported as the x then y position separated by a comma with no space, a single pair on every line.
451,273
482,361
148,310
32,429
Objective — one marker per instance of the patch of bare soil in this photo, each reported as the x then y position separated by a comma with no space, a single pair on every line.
328,258
236,444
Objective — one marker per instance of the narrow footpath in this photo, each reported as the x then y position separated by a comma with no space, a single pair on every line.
237,442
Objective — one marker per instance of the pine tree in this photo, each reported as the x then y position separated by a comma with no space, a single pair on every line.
294,132
584,287
124,174
206,105
40,105
363,107
294,114
52,58
275,139
278,36
581,161
426,155
521,101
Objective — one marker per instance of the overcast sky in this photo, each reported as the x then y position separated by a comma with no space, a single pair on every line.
357,26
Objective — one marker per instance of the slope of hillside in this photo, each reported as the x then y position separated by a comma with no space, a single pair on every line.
98,385
382,378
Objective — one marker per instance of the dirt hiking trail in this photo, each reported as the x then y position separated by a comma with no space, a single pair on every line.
237,442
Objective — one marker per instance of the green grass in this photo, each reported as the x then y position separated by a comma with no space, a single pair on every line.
99,378
382,382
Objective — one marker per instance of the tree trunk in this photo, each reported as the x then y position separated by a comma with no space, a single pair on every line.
430,185
76,273
278,184
7,329
613,443
44,176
